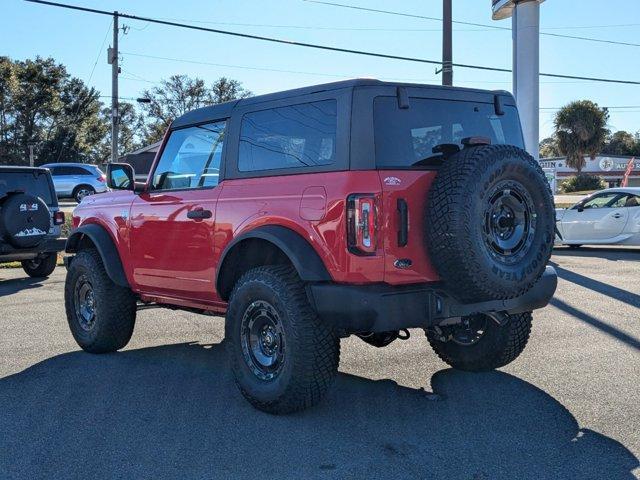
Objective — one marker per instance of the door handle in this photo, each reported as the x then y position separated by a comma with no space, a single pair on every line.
199,214
617,215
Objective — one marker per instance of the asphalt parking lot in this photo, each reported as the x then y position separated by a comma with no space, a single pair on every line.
166,406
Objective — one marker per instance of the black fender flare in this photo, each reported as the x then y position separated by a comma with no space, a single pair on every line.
303,257
106,248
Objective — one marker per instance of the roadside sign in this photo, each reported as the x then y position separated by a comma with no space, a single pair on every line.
550,174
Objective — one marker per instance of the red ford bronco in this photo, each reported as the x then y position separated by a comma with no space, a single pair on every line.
357,207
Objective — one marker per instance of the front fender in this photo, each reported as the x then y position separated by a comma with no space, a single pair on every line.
103,242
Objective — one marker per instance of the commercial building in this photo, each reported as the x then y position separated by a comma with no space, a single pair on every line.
610,168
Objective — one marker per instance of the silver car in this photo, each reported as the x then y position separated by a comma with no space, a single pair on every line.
77,180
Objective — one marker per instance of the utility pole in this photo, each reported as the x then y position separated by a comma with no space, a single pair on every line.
31,155
112,55
447,43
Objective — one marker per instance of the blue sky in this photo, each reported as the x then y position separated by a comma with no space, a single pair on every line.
75,39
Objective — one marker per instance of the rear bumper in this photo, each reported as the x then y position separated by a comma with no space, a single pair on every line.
379,308
10,254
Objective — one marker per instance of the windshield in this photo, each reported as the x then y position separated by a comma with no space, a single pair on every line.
406,136
36,184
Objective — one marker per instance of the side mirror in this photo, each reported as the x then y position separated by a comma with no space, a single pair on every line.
580,208
120,176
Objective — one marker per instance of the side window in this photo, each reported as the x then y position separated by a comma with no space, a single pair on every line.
620,201
630,200
81,171
55,171
191,158
603,200
289,137
64,171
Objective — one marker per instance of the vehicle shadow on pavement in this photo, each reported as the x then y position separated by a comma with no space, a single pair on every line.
9,286
612,291
174,412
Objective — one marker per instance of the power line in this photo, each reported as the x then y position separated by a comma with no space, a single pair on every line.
300,72
317,46
484,25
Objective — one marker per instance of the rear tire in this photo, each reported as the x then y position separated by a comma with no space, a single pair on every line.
40,267
283,357
496,346
82,191
101,314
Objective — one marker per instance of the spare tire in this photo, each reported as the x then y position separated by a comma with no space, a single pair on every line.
490,223
24,220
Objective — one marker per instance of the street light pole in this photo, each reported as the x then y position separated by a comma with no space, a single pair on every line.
115,70
447,43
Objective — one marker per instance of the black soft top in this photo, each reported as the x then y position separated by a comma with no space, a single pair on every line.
224,110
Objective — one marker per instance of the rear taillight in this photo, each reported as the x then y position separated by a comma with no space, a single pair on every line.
362,224
102,178
58,218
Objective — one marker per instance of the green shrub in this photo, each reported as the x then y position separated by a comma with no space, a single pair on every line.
581,183
66,228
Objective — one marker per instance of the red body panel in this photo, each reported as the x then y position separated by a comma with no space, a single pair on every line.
412,186
170,258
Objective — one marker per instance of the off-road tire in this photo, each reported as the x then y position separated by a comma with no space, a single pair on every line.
498,346
40,267
312,348
115,306
457,212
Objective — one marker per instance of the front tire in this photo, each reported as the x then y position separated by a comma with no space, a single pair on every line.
101,314
283,357
480,344
40,267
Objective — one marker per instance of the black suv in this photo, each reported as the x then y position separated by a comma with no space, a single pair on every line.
29,220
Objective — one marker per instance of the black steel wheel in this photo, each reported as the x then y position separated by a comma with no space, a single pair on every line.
85,303
263,342
283,357
479,343
509,223
470,331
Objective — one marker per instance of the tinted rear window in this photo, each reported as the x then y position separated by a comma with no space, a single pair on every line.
37,185
405,136
295,136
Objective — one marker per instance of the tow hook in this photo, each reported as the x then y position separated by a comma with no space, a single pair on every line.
501,318
403,334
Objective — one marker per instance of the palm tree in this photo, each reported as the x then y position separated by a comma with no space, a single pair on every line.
581,130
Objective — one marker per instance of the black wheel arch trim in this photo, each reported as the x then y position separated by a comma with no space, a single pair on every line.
302,255
106,248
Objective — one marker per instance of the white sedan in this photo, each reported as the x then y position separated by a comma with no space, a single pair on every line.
606,217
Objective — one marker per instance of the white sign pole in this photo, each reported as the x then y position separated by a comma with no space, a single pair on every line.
526,63
526,70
